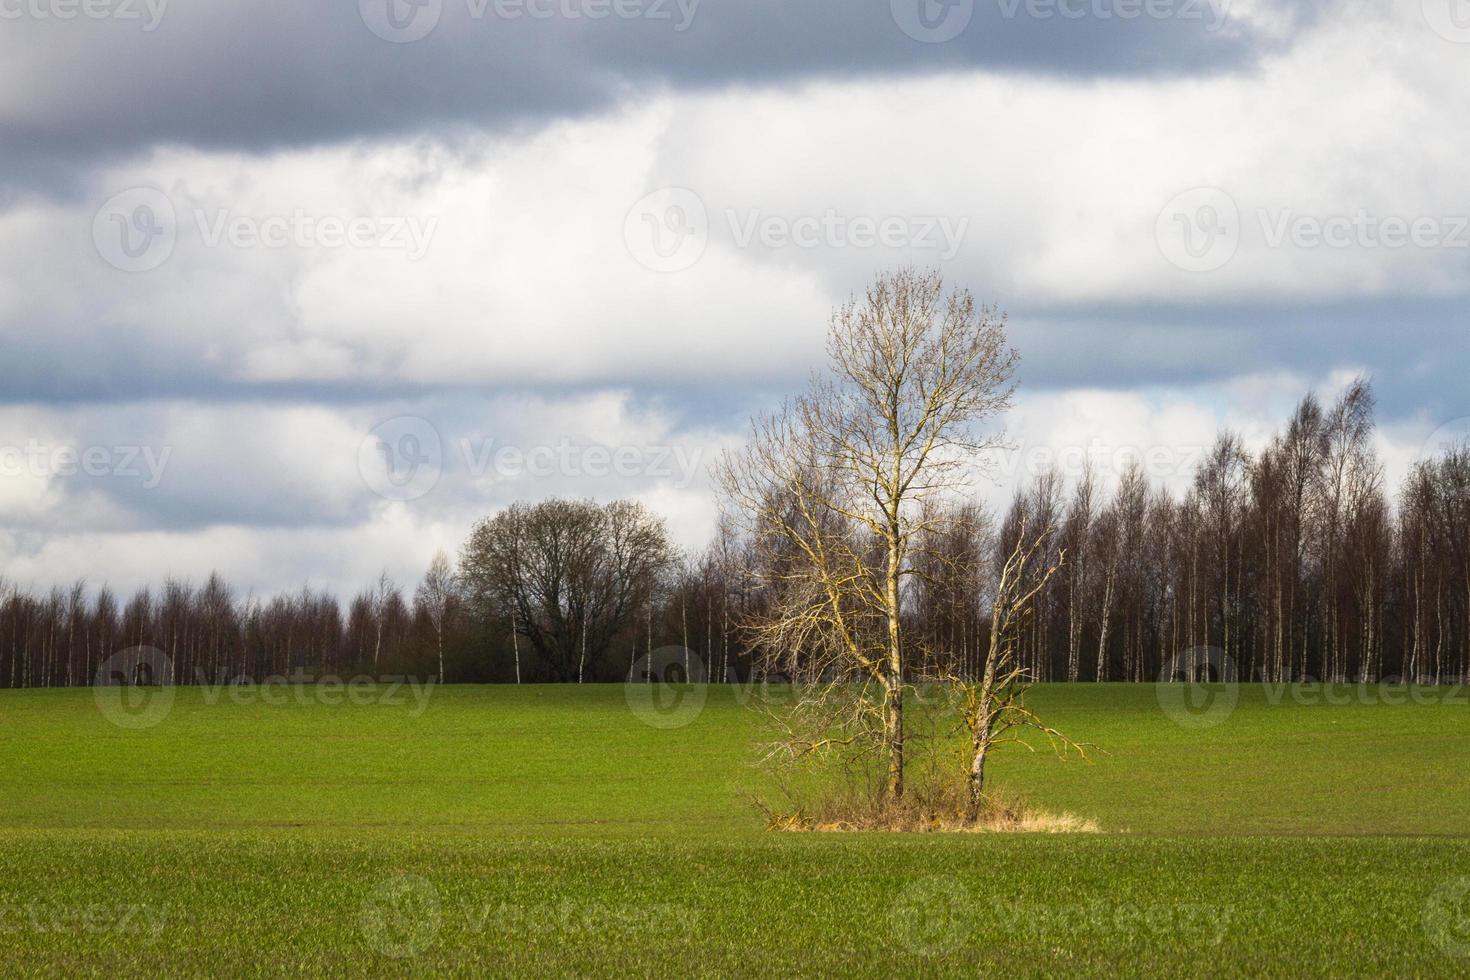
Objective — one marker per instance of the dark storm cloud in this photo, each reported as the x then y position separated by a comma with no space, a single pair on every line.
254,77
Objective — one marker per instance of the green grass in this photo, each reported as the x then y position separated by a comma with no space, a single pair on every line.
548,830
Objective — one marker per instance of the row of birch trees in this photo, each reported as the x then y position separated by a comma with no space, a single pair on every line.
1295,562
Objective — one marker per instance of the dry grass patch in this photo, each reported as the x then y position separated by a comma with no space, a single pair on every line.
1002,814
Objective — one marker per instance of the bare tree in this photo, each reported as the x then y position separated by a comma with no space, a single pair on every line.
1222,489
1346,431
567,575
950,575
832,485
1303,446
438,597
1108,549
992,706
1076,536
380,603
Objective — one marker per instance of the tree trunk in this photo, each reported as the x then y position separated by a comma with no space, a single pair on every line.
893,688
980,748
515,643
1102,641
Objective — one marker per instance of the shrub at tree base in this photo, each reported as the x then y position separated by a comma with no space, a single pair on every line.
942,808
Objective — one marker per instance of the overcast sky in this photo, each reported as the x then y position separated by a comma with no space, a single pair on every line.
299,291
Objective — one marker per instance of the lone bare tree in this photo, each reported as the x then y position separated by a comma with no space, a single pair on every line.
831,488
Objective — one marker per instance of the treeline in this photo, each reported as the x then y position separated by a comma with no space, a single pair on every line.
1296,562
593,590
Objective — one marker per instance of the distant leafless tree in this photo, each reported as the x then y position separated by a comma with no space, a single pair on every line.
438,598
567,575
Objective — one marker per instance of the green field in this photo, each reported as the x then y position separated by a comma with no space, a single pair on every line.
550,830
